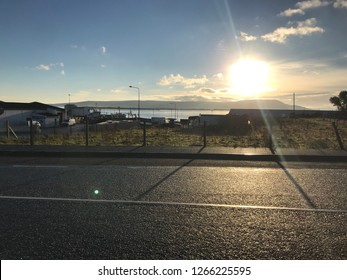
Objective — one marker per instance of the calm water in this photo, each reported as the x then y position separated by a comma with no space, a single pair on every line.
178,114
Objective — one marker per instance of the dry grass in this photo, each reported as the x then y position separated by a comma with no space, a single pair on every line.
308,133
301,133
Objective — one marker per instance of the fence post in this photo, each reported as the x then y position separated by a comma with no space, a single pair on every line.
338,136
8,129
204,134
32,141
87,131
144,134
270,138
55,127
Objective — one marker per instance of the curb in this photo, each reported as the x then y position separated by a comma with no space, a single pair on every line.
196,156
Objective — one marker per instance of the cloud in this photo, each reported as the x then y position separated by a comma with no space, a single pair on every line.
246,37
207,90
43,67
218,77
204,94
340,4
302,28
178,79
301,7
311,4
51,66
83,48
103,50
295,67
57,64
291,12
117,91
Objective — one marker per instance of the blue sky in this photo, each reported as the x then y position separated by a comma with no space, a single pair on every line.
171,49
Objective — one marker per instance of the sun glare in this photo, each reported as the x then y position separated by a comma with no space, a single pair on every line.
249,77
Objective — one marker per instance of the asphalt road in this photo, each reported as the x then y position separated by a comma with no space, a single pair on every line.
88,208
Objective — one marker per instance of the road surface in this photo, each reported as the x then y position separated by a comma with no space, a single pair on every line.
89,208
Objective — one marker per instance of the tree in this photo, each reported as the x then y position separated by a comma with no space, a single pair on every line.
340,101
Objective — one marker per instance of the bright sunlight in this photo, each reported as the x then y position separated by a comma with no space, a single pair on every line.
249,77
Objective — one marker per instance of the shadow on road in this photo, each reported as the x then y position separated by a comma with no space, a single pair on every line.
308,200
142,195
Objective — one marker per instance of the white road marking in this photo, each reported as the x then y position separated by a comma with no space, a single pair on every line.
83,166
137,202
40,166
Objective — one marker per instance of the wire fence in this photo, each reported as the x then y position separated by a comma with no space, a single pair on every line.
299,133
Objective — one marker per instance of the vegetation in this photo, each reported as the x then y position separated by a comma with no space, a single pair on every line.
340,101
302,133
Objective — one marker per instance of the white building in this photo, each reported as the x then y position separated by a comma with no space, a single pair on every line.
17,114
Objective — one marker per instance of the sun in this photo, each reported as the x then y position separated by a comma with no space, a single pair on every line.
249,77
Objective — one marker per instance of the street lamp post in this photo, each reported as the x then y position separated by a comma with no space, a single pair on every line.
138,100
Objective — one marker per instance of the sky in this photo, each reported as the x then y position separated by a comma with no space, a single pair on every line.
56,51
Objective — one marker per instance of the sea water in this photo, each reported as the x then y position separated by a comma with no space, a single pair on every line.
166,113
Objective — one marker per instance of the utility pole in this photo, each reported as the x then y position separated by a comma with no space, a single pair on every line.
294,103
138,101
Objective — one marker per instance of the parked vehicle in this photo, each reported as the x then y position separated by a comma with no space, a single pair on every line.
68,122
35,123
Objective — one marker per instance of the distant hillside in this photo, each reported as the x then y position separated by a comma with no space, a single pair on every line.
192,105
264,104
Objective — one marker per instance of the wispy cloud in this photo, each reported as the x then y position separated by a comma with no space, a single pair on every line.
118,91
178,79
301,7
246,37
340,4
51,66
300,28
311,4
77,47
43,67
291,12
58,64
